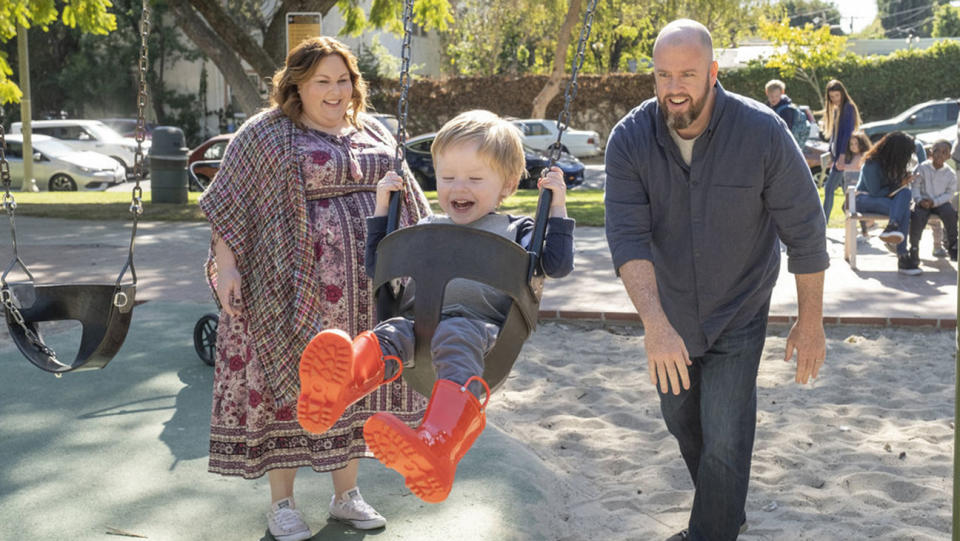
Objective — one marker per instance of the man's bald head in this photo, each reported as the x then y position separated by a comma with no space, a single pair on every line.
685,32
684,75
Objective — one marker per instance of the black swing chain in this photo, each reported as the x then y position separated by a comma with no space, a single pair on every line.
393,214
571,91
6,296
140,134
404,86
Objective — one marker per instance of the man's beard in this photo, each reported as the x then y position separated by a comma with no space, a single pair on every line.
680,121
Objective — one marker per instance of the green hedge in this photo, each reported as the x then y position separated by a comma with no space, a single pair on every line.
601,100
882,86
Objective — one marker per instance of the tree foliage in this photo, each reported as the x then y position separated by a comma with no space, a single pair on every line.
946,22
224,32
489,37
89,16
804,53
902,18
801,12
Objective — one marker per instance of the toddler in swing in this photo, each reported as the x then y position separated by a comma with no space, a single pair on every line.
479,161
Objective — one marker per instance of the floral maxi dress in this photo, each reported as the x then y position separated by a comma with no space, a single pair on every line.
249,434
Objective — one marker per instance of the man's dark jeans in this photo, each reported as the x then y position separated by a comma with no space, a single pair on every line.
714,422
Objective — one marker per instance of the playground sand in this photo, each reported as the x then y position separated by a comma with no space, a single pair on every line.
864,452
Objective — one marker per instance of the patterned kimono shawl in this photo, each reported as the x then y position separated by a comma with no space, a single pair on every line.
257,205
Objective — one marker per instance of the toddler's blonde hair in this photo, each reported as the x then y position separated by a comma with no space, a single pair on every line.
499,143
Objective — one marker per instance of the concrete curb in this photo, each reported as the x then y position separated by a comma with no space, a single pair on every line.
633,318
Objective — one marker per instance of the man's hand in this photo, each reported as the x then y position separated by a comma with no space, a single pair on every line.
667,358
808,340
926,203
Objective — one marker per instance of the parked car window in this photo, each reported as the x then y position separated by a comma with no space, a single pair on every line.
102,132
14,150
936,113
537,129
52,132
72,133
215,152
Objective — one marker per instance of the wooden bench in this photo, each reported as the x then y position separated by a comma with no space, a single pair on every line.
852,218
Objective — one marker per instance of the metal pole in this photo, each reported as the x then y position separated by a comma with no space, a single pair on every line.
23,57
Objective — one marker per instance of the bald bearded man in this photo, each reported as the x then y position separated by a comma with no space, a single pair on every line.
702,186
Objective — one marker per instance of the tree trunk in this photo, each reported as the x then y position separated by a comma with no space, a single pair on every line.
237,39
220,53
552,88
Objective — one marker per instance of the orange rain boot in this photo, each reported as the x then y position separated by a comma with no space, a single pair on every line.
427,457
335,373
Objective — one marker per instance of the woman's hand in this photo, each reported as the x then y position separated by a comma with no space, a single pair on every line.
391,182
228,277
228,290
553,181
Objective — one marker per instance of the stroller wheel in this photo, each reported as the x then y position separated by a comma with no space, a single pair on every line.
205,337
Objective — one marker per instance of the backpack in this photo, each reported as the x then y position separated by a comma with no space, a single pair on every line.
801,124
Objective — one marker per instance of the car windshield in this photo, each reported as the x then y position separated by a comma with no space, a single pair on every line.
52,147
104,132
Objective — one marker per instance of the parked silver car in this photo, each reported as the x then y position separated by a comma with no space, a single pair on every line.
57,167
93,135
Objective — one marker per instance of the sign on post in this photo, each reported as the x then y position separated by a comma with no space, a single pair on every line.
302,25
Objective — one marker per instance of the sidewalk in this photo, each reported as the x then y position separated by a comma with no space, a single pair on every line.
126,447
169,260
876,294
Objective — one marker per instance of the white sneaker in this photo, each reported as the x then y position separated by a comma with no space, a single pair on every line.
286,523
356,512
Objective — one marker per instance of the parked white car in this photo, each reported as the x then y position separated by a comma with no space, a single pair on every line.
57,167
928,138
540,134
91,135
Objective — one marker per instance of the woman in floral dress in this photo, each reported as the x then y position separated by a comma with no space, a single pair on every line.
287,211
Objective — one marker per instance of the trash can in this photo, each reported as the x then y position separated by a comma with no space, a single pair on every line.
168,165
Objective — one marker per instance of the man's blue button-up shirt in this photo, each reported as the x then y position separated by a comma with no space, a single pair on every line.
711,228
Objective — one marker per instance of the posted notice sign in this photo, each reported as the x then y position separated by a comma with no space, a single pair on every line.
302,25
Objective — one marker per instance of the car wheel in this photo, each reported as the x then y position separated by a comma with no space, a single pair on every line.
205,338
62,183
563,148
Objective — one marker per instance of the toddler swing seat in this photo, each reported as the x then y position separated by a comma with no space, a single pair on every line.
478,255
103,310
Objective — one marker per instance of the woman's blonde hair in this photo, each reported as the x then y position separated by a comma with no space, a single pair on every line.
301,62
835,85
499,143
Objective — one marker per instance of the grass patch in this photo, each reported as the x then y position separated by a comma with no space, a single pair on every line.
585,206
104,206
